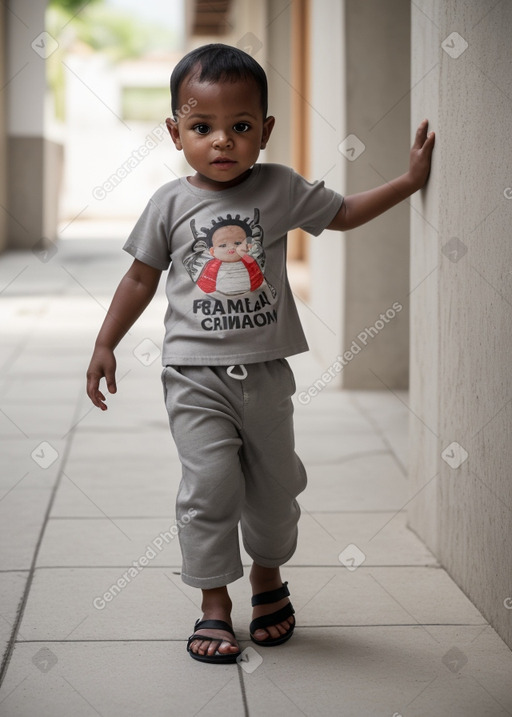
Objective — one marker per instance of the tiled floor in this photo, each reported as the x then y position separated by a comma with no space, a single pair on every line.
382,629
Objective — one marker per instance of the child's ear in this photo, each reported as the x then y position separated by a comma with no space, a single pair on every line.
268,126
174,131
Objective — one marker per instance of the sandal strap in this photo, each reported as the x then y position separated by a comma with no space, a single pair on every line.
213,625
273,619
270,596
210,625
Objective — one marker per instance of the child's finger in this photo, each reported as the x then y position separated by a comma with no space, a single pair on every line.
421,133
428,145
98,400
96,396
111,383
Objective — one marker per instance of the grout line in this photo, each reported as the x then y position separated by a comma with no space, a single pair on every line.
395,624
298,627
243,691
390,511
246,565
116,517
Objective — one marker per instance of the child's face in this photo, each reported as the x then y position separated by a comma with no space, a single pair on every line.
229,244
223,134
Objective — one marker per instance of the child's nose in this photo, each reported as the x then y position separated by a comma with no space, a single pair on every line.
221,139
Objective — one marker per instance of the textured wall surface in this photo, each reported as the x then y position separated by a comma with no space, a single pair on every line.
34,165
3,139
327,129
461,264
377,43
359,140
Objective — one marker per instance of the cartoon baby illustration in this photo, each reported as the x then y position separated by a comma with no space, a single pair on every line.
228,256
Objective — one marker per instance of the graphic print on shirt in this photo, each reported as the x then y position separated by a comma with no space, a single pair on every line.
227,264
228,257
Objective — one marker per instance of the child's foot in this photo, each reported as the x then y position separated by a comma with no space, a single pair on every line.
225,645
216,606
264,580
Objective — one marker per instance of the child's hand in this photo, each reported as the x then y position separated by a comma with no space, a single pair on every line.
103,365
421,154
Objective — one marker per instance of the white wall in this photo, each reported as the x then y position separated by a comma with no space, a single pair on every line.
360,84
26,67
3,139
461,381
34,161
325,318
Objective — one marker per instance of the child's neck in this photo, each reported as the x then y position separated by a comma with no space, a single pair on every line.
201,182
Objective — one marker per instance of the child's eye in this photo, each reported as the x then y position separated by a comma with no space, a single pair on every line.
242,127
201,128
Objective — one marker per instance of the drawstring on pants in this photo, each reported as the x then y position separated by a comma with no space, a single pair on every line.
238,376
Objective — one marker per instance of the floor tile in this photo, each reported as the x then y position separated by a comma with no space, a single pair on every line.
29,463
379,596
147,499
382,671
382,537
22,515
116,679
363,482
12,588
110,542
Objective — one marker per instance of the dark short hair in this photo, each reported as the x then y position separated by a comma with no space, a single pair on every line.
217,63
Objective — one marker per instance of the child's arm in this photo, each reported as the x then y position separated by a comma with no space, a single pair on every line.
135,291
360,208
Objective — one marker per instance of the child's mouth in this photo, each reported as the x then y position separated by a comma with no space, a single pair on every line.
223,162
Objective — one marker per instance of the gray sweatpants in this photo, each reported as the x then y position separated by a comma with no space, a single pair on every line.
236,446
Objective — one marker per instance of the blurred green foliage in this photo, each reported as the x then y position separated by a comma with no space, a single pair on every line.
71,6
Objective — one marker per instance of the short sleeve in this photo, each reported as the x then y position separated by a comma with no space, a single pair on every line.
148,240
312,205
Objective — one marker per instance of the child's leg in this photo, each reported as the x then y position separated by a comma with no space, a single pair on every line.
274,476
205,426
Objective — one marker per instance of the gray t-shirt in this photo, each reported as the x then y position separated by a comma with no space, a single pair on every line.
229,297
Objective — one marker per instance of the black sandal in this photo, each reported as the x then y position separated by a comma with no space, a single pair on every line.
218,657
274,618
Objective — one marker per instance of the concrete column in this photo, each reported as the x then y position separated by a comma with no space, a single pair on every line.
3,138
461,382
34,162
325,315
278,69
360,139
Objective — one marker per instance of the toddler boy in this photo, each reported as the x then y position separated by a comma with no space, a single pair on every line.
226,380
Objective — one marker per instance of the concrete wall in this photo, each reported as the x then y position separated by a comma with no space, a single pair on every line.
377,254
325,319
3,139
361,59
461,381
34,161
278,69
